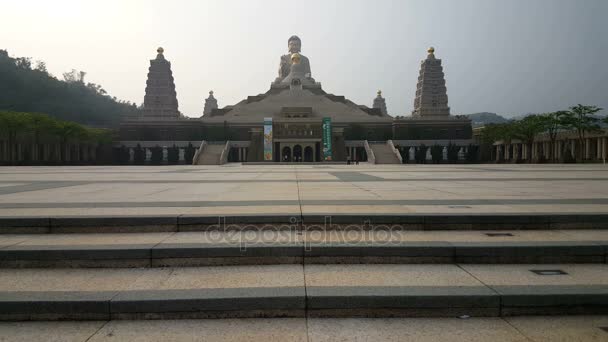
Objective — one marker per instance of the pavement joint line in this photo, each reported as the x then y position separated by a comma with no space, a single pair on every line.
99,329
510,324
300,202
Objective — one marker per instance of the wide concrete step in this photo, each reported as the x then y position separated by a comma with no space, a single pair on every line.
298,291
302,247
189,222
475,329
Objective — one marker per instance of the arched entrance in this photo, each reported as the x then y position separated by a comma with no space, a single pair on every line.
297,153
286,154
308,154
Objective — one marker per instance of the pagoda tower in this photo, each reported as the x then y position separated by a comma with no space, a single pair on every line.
160,101
431,94
210,104
380,103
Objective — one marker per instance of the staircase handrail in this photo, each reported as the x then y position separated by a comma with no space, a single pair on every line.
395,151
224,155
371,158
198,153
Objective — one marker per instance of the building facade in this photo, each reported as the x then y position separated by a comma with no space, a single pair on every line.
308,124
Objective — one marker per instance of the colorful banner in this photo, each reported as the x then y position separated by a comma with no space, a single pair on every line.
268,139
327,155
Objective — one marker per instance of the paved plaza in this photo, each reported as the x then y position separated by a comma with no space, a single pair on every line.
514,329
236,189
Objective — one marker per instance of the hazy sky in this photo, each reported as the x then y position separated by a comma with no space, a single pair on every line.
509,57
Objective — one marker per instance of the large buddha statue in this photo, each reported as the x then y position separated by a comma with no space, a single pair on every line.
294,45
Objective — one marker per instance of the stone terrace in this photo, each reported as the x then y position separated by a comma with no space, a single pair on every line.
301,190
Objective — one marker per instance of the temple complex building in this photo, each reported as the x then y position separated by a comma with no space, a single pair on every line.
296,120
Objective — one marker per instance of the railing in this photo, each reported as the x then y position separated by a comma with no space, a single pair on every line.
395,151
224,155
198,153
371,158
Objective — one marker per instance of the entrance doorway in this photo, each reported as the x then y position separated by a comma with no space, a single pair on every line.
297,153
308,154
286,154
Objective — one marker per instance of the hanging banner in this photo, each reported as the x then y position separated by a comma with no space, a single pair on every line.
327,155
268,139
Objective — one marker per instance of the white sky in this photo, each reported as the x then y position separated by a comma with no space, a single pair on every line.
510,57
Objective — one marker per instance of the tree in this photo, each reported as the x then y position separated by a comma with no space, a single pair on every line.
472,153
552,123
39,124
453,153
30,89
12,123
67,132
420,155
581,119
436,153
189,153
527,129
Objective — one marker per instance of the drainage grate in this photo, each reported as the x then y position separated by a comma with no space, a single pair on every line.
498,234
458,206
548,272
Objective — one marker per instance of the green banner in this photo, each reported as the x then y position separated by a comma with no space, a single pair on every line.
327,154
268,139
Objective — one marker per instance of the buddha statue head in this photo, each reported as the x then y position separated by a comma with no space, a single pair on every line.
294,44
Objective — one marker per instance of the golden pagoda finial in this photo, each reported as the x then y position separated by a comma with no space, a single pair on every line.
431,50
160,50
379,92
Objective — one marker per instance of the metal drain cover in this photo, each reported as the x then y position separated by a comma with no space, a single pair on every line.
499,234
548,272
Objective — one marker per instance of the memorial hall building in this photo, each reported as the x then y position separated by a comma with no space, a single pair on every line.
296,120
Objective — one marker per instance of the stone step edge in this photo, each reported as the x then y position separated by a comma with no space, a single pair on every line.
298,301
188,254
171,223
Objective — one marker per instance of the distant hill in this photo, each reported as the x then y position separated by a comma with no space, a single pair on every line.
27,88
480,119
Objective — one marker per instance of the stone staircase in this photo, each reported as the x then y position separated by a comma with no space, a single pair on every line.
384,153
211,154
126,268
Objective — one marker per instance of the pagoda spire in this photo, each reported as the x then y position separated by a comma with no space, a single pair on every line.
160,101
431,94
210,104
380,103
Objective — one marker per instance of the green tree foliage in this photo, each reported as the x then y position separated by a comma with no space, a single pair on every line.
582,119
29,128
27,89
453,153
420,154
527,129
552,124
436,153
472,153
